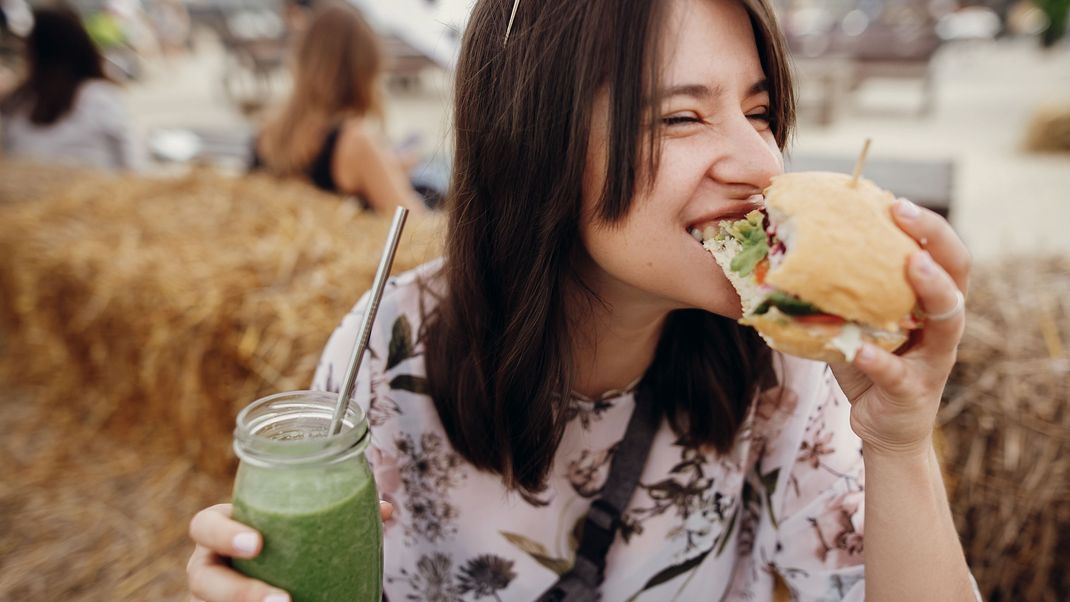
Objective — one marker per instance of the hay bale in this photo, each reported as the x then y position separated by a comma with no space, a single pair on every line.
1049,130
1006,421
86,517
22,180
171,304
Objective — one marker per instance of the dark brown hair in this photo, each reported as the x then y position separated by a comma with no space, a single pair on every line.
61,57
499,356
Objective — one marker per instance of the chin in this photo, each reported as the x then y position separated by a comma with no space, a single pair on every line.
716,296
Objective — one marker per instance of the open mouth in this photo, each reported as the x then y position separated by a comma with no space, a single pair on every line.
706,229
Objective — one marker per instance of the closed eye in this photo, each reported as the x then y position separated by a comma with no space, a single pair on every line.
761,116
680,119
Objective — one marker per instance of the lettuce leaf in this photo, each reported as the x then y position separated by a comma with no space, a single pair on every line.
750,232
789,304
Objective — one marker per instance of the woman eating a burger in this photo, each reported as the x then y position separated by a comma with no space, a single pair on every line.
564,406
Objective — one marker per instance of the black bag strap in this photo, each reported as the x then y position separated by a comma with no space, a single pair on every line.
581,582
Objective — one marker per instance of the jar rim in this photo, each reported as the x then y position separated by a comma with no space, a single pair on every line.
289,429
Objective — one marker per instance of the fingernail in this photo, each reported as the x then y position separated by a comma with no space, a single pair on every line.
907,209
245,542
925,265
277,597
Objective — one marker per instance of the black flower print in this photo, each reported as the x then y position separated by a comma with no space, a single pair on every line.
402,347
381,407
750,513
588,412
588,473
690,494
432,581
486,575
429,470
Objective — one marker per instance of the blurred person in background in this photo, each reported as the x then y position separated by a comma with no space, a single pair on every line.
66,109
323,133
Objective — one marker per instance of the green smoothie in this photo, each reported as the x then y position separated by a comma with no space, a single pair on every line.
321,528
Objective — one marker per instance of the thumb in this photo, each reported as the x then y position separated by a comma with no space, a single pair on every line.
888,371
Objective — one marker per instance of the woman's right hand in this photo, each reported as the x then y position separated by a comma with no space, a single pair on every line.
217,538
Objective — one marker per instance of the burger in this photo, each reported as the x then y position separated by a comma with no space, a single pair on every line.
822,269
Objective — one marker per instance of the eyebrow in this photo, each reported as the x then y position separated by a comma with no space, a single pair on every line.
702,92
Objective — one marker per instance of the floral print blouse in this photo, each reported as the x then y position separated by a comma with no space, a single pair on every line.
787,501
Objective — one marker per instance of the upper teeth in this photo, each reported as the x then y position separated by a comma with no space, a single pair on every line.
704,234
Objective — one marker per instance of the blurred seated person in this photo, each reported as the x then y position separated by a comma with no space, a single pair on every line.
323,132
66,109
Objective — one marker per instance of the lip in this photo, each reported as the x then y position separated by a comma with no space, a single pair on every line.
733,210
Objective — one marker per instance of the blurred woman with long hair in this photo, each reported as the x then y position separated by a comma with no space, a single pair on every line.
322,133
66,109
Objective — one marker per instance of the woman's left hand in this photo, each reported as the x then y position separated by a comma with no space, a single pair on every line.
895,397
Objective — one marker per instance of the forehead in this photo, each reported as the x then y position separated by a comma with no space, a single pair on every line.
708,42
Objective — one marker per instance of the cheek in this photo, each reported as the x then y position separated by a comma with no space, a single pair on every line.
774,150
681,169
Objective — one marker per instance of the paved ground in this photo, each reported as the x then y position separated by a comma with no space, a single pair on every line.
1005,201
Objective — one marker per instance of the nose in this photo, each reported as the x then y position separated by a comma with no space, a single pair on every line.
746,158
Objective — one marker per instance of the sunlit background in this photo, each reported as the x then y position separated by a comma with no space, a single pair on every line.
140,309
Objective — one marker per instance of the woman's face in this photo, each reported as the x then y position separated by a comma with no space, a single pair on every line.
717,153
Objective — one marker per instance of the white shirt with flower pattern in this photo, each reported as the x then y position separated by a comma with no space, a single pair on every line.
787,500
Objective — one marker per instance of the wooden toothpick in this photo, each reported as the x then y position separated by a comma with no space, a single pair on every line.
861,161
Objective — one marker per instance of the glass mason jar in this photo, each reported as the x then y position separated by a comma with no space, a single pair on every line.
311,496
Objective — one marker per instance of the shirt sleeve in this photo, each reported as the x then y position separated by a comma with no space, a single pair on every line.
802,500
816,536
812,540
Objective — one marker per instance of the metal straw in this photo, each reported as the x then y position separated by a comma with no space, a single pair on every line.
365,332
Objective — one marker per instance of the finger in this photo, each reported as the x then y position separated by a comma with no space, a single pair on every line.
386,510
213,529
852,381
937,237
936,295
214,582
887,371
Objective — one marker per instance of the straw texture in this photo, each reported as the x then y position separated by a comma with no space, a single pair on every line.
1006,425
171,304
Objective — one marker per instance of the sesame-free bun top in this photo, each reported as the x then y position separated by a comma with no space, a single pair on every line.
844,253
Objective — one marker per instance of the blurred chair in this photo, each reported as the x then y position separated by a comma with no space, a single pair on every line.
838,48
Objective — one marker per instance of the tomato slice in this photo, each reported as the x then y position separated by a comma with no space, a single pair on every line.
820,319
761,270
